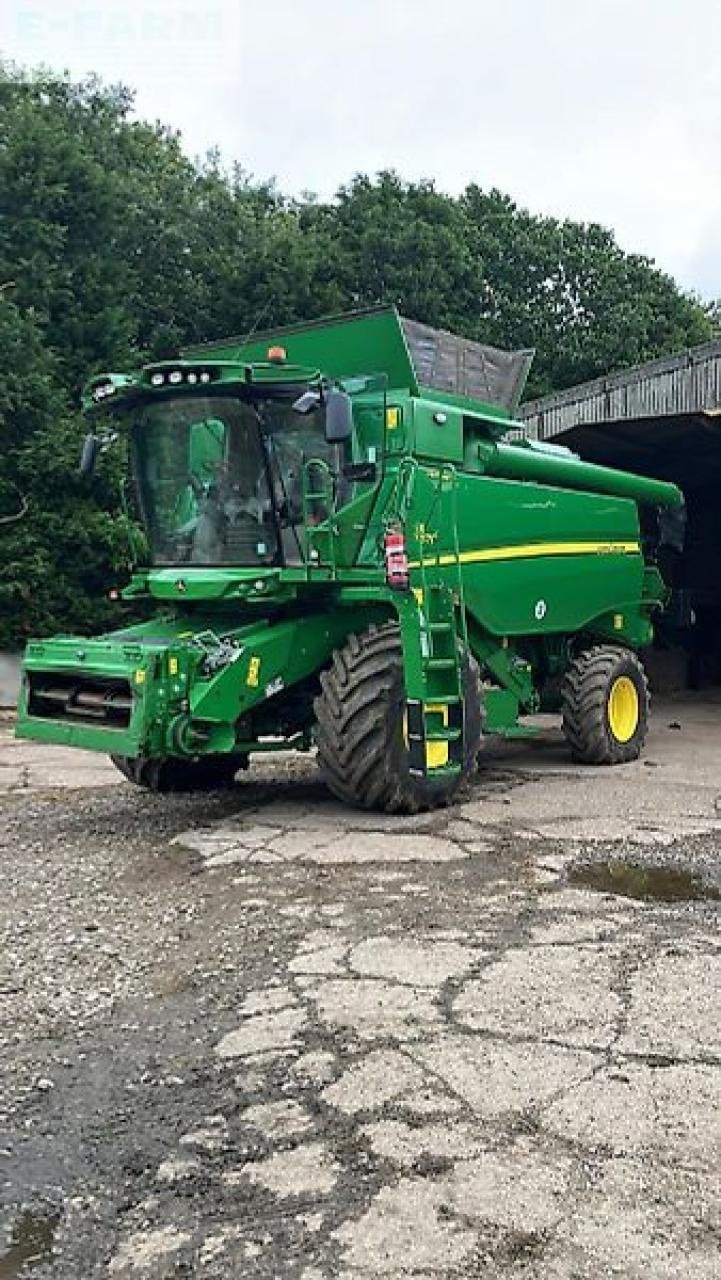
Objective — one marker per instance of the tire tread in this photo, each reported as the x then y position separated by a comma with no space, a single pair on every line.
584,695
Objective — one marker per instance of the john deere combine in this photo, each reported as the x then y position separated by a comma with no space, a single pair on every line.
344,550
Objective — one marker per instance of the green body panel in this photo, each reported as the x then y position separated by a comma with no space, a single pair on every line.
529,530
366,343
431,440
516,553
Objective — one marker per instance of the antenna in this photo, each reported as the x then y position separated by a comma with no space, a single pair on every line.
260,316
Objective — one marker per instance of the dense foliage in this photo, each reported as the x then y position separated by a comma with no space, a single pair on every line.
113,247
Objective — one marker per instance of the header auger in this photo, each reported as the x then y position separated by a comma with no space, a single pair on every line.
344,551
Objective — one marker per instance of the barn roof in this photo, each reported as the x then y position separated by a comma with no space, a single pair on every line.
661,418
688,383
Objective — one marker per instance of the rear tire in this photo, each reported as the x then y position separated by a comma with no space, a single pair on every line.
209,773
605,701
362,749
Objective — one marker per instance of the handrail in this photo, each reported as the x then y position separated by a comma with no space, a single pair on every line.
446,483
326,495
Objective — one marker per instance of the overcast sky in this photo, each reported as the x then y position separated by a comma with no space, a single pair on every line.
603,110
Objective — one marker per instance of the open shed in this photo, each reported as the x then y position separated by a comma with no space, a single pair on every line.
662,419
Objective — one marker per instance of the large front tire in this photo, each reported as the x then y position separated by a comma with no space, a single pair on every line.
208,773
360,714
605,703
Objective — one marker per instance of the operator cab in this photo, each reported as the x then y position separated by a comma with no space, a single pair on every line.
223,480
234,475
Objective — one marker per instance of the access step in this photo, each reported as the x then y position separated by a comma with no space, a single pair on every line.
443,735
443,700
436,771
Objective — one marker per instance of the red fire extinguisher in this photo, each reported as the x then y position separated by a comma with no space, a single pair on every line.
396,557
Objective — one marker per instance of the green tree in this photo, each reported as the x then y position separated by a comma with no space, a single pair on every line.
567,289
482,267
59,558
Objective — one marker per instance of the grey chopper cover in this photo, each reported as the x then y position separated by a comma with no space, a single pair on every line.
446,362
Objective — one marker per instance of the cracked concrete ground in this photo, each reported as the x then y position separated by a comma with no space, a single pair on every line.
260,1035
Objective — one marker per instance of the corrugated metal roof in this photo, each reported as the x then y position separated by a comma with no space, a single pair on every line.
687,383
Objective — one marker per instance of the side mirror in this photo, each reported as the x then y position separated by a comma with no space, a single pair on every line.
338,417
89,455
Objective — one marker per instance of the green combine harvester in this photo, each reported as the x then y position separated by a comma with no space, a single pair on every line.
344,551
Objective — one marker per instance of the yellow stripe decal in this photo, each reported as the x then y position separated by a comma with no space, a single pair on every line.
535,549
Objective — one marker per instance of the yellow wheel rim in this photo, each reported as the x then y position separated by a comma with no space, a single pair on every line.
623,709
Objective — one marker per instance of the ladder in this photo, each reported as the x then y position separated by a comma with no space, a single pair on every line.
435,704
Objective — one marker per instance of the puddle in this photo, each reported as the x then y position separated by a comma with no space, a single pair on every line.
633,880
31,1242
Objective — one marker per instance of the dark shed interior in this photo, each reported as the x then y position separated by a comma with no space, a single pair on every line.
687,450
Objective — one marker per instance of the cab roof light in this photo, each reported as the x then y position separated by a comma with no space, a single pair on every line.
103,390
176,377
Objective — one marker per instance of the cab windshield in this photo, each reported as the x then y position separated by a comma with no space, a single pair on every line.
228,481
